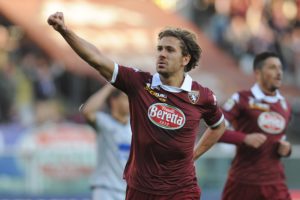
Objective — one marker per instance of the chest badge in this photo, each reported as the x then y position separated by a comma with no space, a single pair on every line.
194,96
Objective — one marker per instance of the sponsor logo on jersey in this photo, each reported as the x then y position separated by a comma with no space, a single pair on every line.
160,96
194,96
255,104
166,116
271,122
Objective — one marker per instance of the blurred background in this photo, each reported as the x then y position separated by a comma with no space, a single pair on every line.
46,148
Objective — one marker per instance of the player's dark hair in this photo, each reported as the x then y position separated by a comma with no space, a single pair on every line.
189,45
260,59
114,94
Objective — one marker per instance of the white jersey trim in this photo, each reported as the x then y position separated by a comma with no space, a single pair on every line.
115,73
258,94
186,85
218,122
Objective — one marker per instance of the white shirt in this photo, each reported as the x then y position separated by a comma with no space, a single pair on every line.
113,147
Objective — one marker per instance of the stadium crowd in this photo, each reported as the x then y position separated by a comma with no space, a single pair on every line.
244,28
33,87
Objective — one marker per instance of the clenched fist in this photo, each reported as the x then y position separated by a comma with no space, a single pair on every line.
255,140
56,20
284,148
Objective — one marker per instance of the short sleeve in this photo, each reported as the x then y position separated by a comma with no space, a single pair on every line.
128,79
231,108
213,115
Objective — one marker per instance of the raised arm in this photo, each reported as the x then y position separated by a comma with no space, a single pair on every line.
95,102
208,139
84,49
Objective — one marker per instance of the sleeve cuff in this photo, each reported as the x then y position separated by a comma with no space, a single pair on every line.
115,73
218,122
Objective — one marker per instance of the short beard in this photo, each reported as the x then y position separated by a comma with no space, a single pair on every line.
164,74
273,88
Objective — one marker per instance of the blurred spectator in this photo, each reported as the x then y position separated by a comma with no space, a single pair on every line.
245,28
30,83
6,91
44,81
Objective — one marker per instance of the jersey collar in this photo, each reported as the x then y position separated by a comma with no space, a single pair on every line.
258,94
186,85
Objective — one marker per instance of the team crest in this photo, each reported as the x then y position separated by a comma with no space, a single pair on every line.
194,96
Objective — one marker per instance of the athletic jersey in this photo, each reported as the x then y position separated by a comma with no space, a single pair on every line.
251,111
113,147
164,122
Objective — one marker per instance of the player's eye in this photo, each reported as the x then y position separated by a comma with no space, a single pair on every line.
170,49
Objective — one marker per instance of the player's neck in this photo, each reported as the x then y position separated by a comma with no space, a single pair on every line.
267,91
175,80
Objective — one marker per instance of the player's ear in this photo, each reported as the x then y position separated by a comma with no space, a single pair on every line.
257,73
186,59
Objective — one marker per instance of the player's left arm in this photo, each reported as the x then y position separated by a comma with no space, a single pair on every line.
95,102
214,118
284,148
208,139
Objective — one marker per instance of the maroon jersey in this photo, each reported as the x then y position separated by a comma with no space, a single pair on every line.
251,111
164,127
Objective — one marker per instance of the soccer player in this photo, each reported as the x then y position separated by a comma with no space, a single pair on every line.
259,117
113,141
165,111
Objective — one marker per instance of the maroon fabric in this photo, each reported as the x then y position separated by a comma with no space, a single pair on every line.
234,190
249,115
192,194
161,158
233,137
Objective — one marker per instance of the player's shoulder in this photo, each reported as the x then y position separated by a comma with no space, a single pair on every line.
242,94
238,97
199,87
105,117
135,71
101,116
206,95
